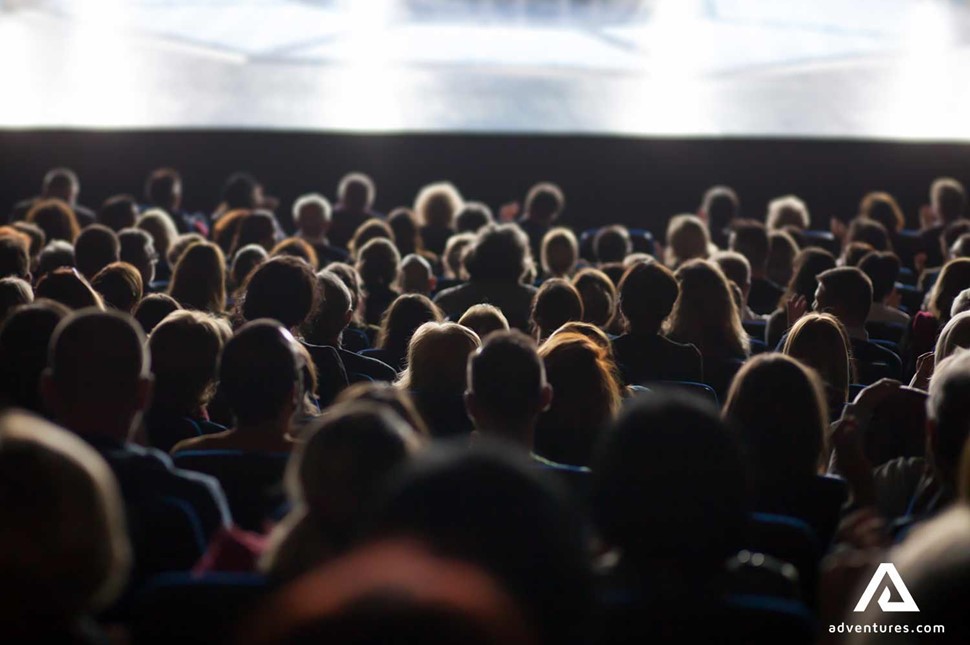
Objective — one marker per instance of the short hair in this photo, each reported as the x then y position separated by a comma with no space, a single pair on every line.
24,337
788,211
98,357
138,250
849,290
954,335
472,217
185,349
14,260
953,278
780,409
455,249
69,288
162,187
14,292
437,204
961,248
648,292
948,197
545,200
735,266
853,253
612,243
356,191
180,245
65,548
118,212
415,274
883,208
199,278
404,227
403,317
120,286
560,251
55,255
483,319
961,303
239,191
782,249
948,406
59,181
97,246
721,205
807,265
329,318
871,232
750,238
378,263
351,279
507,376
556,303
598,294
258,371
153,308
437,358
258,227
160,226
312,213
38,239
882,269
499,253
283,288
372,229
298,248
687,238
55,218
245,262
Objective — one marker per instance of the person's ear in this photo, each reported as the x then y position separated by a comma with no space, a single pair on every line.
48,392
545,398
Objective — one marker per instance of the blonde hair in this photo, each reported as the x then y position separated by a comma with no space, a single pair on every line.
438,357
954,278
559,251
787,211
954,335
705,314
483,319
437,204
160,226
821,342
687,238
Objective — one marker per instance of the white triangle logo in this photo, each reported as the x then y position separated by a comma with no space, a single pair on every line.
887,569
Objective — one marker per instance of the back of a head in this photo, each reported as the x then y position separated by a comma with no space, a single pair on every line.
97,360
199,278
492,507
472,217
416,274
65,549
185,348
706,313
259,227
153,308
882,269
507,377
24,339
668,483
948,198
721,205
780,410
14,257
55,255
118,212
954,278
687,238
453,257
60,183
97,246
37,237
331,314
788,211
356,192
598,294
499,254
245,262
437,204
782,249
55,218
560,252
437,358
483,319
648,292
282,288
820,341
750,239
378,263
809,263
14,292
948,407
853,252
735,267
120,286
159,225
312,213
402,318
556,303
954,335
181,244
138,250
405,227
883,208
372,229
298,248
67,287
259,372
239,191
545,201
163,188
871,232
847,294
612,244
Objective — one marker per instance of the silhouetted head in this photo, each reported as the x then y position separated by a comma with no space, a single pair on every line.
55,218
820,341
472,217
97,246
199,278
24,339
544,202
283,288
647,296
241,190
556,303
483,319
312,214
55,255
750,239
687,239
846,293
612,244
721,206
61,183
356,192
118,212
948,198
163,189
69,288
560,252
788,211
153,308
437,359
138,250
437,204
403,317
119,285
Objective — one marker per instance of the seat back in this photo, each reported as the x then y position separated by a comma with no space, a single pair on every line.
702,390
791,540
821,239
886,331
756,328
252,482
166,535
897,427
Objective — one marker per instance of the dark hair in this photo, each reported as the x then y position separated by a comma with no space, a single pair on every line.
882,269
721,205
850,291
750,239
185,350
199,278
120,286
258,227
138,250
950,197
55,218
408,312
153,309
239,191
854,252
245,262
545,200
669,485
298,248
378,263
648,292
14,292
37,236
871,232
118,212
405,228
598,294
612,244
953,231
372,229
556,303
283,288
808,264
68,287
161,188
356,191
14,260
59,180
53,256
329,318
506,376
258,370
499,253
97,246
734,266
472,217
24,337
883,208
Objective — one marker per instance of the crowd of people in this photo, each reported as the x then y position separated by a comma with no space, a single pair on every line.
447,423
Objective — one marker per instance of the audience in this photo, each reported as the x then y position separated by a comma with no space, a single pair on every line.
687,239
436,207
153,308
483,319
820,341
705,315
313,218
62,184
355,201
472,217
556,303
948,200
24,337
416,275
67,287
544,203
408,312
882,269
719,208
379,266
787,211
118,212
559,253
750,239
119,285
598,294
199,279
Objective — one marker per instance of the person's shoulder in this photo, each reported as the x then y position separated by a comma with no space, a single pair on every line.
451,292
372,366
204,442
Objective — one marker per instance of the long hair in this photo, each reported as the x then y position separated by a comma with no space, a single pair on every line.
199,279
808,264
954,278
408,312
438,357
821,342
706,314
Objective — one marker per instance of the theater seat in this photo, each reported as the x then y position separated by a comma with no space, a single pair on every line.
823,240
768,619
719,374
791,540
886,331
253,482
701,390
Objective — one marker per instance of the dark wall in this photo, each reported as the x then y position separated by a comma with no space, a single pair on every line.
636,181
